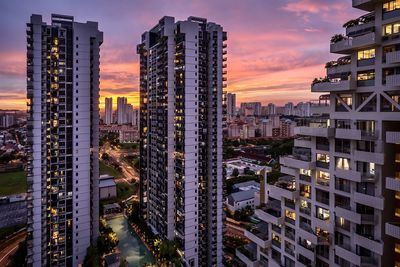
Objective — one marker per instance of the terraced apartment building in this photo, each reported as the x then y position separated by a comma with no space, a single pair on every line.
62,139
339,204
182,76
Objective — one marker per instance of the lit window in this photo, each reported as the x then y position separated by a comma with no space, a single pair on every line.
366,54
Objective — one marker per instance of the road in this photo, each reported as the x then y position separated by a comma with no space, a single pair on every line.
117,155
10,247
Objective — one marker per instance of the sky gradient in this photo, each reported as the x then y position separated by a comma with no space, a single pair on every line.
275,48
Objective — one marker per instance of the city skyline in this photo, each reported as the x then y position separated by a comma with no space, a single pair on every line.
261,59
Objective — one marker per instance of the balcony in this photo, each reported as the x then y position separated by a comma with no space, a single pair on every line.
378,158
347,254
352,134
284,187
314,131
348,214
393,137
372,201
305,252
393,229
393,57
305,231
367,5
349,44
393,80
302,142
270,213
337,69
248,254
331,86
258,234
288,170
353,176
297,163
393,183
371,244
361,25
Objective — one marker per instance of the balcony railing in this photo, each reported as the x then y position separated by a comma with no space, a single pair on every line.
393,137
393,183
393,57
393,80
393,229
330,86
348,44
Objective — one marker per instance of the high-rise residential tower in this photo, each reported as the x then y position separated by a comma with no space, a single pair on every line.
339,203
122,110
108,111
181,116
231,105
62,131
271,109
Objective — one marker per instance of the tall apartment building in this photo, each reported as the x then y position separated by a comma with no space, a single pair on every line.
62,131
108,111
181,115
271,109
339,203
121,110
231,105
289,108
250,108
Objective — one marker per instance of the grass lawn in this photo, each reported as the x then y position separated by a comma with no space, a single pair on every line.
125,190
12,183
106,169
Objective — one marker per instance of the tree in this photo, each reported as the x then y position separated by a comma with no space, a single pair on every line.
92,257
169,253
235,172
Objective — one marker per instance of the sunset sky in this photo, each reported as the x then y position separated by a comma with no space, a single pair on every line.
275,47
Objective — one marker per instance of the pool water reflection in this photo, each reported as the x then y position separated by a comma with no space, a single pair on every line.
131,247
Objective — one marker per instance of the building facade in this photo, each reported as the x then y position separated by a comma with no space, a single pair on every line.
340,204
108,111
122,103
231,106
181,116
62,139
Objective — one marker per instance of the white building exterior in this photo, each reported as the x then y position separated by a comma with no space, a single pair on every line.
341,207
62,131
181,117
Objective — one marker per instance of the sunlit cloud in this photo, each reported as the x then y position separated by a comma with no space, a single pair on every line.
275,48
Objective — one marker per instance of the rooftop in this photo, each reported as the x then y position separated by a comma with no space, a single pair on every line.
242,195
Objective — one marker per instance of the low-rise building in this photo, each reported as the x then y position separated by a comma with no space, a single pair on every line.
107,187
242,199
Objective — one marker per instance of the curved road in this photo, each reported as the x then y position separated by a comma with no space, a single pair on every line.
10,247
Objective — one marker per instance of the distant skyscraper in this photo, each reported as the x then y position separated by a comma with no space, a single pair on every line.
129,113
271,109
135,117
181,116
121,110
63,142
247,106
231,105
289,109
109,111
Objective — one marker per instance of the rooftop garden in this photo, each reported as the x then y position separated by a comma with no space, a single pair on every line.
339,62
360,21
